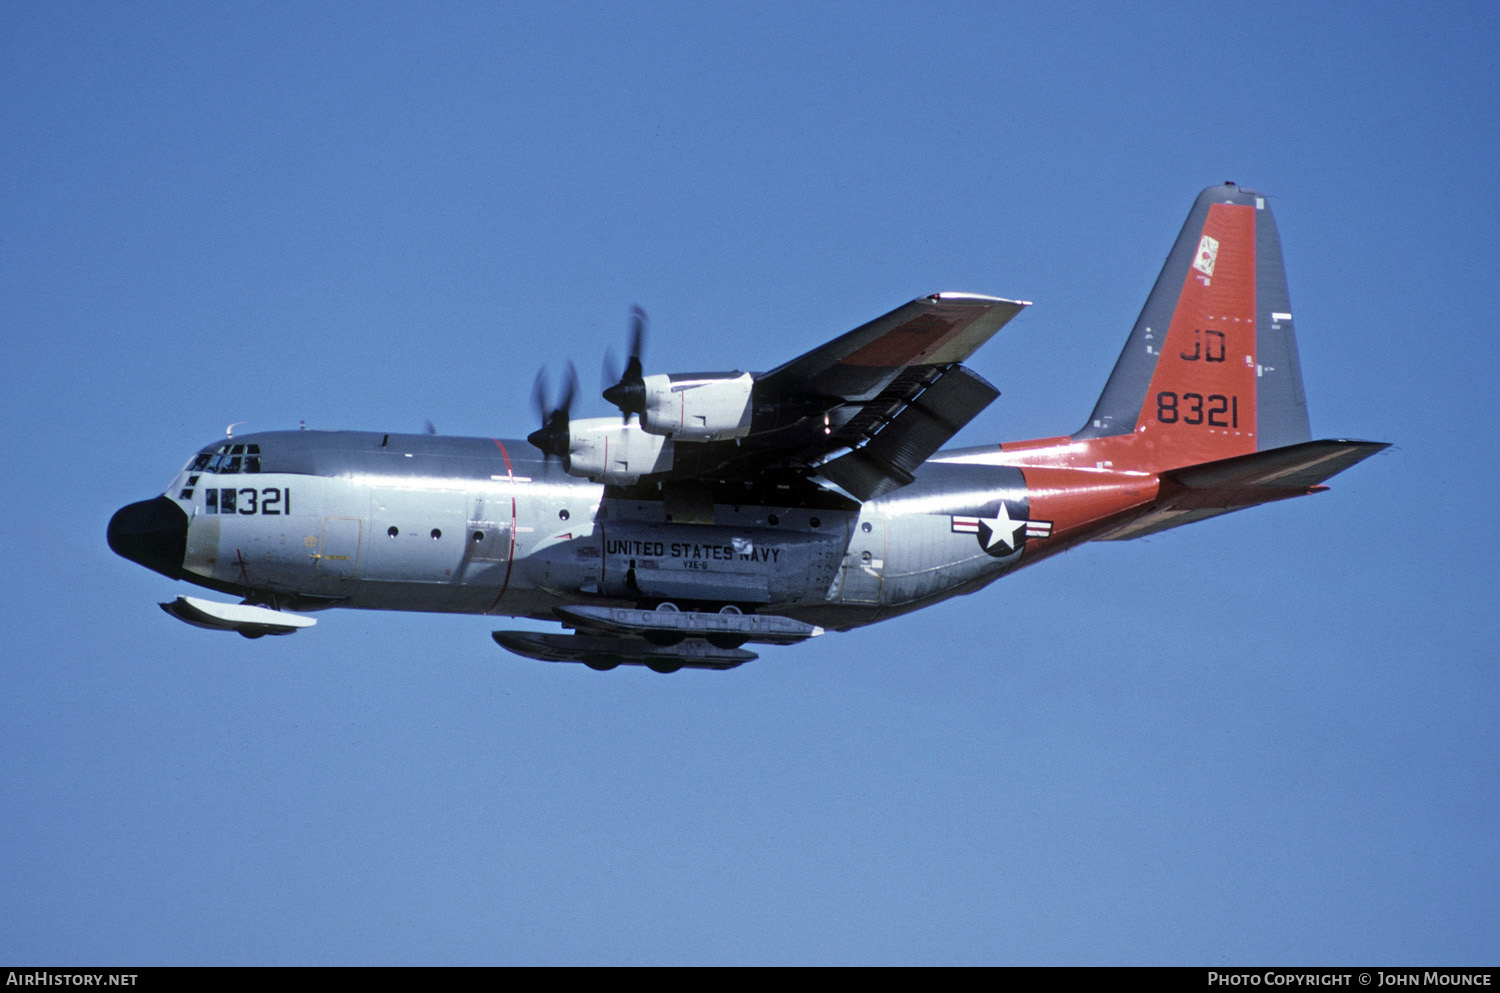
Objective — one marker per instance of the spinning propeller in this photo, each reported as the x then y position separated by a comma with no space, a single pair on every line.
552,436
625,389
629,393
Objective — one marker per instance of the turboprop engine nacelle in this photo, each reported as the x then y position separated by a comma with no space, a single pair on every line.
699,407
606,451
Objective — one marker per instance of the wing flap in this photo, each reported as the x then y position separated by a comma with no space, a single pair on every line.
902,443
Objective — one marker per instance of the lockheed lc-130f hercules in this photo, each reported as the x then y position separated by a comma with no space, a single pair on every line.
737,508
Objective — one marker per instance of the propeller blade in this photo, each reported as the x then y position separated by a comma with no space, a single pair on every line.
637,339
539,394
610,370
629,392
552,438
570,390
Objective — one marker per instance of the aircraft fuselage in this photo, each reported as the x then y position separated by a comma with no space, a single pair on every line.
485,526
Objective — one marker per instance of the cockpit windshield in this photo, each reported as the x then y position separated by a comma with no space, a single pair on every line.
228,459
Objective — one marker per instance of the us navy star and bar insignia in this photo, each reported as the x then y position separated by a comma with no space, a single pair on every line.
1001,534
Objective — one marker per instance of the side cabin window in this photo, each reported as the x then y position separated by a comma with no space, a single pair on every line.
217,501
250,501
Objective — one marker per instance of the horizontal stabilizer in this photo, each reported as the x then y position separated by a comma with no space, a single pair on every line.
606,652
1295,467
247,619
1199,492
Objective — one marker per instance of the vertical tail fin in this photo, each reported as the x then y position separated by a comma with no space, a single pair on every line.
1210,370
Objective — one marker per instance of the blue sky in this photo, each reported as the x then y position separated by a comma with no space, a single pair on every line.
1268,738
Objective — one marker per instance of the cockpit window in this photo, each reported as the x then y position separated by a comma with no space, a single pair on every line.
229,459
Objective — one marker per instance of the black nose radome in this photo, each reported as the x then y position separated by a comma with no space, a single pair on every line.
153,533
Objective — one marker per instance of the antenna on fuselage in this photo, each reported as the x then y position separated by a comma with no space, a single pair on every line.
229,431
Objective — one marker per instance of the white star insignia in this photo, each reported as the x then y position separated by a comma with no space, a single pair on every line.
1000,530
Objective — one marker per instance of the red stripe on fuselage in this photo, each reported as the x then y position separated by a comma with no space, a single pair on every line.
510,558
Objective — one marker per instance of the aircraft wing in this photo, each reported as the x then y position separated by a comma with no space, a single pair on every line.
865,409
938,330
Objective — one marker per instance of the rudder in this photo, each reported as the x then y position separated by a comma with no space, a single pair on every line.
1210,370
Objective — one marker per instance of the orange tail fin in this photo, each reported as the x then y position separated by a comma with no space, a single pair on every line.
1210,370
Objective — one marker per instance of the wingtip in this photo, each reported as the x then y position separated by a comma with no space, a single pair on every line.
954,297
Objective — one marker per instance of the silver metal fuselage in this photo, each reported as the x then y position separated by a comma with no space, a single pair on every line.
485,526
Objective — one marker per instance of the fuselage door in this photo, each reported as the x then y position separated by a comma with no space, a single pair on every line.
338,552
864,563
491,528
416,535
